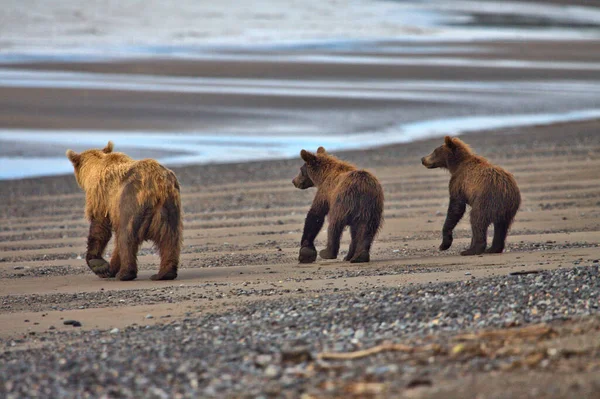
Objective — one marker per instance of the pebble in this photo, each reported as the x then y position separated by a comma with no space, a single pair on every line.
272,371
114,331
263,360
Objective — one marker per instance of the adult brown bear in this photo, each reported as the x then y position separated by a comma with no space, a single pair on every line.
139,200
349,197
491,192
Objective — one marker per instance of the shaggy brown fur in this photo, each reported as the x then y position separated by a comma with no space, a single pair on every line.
491,192
139,200
349,197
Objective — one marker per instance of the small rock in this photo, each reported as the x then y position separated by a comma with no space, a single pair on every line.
272,371
297,354
149,316
114,331
359,334
263,360
73,323
467,273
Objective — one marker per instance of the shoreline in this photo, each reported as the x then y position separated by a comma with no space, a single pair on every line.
405,147
191,146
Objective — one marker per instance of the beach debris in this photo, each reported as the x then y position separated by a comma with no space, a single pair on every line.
377,349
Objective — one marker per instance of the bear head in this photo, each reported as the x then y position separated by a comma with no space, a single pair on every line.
447,155
83,160
310,169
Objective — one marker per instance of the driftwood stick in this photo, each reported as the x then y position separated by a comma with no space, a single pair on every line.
375,350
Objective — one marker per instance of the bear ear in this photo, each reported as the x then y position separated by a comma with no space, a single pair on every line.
321,150
449,142
308,157
74,157
109,148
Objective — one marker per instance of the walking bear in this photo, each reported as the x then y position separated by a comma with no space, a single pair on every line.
139,200
349,197
491,192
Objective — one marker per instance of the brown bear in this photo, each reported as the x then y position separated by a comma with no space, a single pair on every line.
139,200
349,197
491,192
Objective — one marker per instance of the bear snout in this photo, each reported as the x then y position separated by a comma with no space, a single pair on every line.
424,161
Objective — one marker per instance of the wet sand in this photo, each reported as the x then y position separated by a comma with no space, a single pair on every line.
304,90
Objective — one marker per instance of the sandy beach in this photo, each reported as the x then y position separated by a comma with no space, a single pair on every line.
242,227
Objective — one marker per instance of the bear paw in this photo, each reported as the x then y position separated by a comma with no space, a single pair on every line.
307,255
100,267
327,254
170,275
472,251
362,257
446,243
126,275
492,250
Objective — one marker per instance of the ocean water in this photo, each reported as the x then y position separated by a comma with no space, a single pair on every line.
333,32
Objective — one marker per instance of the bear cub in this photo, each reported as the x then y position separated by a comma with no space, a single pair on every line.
138,200
348,197
491,192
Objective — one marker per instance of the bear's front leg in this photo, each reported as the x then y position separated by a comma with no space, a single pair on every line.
98,238
312,225
456,210
479,240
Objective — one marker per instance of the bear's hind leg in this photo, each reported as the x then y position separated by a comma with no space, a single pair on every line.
365,236
334,234
166,231
169,260
115,260
169,247
500,231
98,238
479,240
128,247
353,243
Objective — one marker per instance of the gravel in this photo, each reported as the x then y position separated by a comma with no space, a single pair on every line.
268,348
